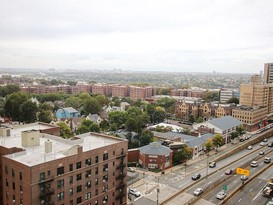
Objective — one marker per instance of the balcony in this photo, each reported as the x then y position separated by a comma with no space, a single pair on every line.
121,176
121,166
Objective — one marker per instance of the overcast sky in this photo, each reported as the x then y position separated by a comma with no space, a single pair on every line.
163,35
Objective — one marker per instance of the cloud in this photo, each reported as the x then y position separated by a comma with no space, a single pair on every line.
146,34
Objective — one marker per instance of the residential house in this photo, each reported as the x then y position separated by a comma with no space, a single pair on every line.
68,112
94,118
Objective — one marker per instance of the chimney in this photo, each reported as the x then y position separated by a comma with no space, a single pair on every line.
48,146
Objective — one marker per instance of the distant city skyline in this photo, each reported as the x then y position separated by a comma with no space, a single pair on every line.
234,36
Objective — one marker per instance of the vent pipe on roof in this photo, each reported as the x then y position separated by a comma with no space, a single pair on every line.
48,146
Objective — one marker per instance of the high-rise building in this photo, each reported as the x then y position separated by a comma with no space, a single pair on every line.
43,169
268,72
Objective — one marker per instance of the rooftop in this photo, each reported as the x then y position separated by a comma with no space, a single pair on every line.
34,155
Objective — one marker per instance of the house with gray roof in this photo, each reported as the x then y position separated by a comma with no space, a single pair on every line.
224,125
94,118
67,112
155,156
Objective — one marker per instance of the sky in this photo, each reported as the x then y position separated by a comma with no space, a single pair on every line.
230,36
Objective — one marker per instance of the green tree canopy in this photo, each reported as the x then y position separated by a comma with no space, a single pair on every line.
234,135
65,130
218,140
117,118
146,137
28,111
233,100
12,105
91,106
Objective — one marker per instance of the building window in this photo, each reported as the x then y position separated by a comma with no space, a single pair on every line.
21,189
60,196
60,183
88,162
96,192
88,185
12,173
96,181
71,167
105,156
20,175
42,176
88,195
105,167
71,180
97,171
6,169
71,202
7,182
13,185
88,174
79,165
79,188
48,173
114,153
79,200
71,191
97,159
60,171
79,177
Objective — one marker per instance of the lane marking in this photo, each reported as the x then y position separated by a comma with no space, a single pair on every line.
239,200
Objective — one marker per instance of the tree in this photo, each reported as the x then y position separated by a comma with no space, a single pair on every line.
210,96
146,137
87,126
191,118
103,100
159,115
167,103
186,131
233,100
118,118
65,130
182,155
234,135
208,145
74,102
218,140
12,105
241,130
45,116
91,106
28,111
199,120
9,89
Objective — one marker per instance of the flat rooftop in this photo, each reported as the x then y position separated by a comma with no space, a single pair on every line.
35,155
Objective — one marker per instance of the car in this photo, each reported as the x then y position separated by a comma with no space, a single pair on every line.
265,140
249,147
254,164
196,176
212,164
241,139
270,203
263,143
267,160
131,169
221,195
261,153
228,172
270,144
244,177
198,191
134,192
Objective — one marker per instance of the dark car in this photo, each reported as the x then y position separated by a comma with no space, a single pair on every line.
228,172
212,164
196,176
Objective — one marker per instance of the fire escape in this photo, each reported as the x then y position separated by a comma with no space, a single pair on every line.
122,174
46,191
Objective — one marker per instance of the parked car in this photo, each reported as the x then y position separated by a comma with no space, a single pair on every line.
254,164
221,195
131,169
263,143
261,153
244,177
265,140
212,164
196,176
198,191
228,172
134,192
249,147
270,144
267,160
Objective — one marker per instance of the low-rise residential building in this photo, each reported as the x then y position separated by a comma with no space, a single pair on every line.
67,112
253,118
39,168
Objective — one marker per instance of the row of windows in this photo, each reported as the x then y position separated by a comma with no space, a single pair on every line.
13,173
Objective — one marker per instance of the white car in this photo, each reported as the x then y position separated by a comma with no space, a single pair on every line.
131,169
221,195
134,192
249,147
198,191
244,177
254,164
263,143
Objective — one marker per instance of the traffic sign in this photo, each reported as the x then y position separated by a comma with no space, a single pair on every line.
243,171
225,187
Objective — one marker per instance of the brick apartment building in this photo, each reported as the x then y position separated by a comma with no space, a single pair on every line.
141,92
39,168
120,91
102,89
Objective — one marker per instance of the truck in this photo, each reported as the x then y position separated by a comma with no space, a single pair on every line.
268,190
